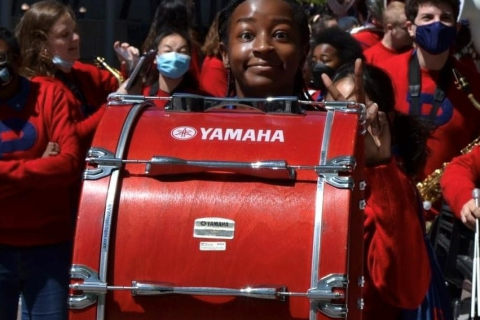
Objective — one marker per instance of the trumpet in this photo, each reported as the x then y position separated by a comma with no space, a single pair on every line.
115,72
429,188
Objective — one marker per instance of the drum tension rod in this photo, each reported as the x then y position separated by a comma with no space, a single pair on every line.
140,289
92,287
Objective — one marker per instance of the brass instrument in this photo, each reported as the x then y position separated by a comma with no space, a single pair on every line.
462,84
115,72
430,187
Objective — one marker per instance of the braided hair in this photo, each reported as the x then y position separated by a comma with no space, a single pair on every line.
301,20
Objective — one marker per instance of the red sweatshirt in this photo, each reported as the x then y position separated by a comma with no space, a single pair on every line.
367,37
34,193
457,119
397,267
378,53
95,84
460,177
213,77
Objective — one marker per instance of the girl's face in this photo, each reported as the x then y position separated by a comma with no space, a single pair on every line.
327,54
264,51
63,40
173,43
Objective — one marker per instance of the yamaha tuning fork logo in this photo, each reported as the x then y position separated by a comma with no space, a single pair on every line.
184,133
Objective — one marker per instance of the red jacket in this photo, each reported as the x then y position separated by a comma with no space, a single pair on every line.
95,84
368,37
460,177
397,267
34,193
213,77
378,53
456,120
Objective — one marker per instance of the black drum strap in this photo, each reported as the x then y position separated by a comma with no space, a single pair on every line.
87,110
154,89
415,87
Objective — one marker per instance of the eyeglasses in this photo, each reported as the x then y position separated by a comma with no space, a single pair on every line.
3,57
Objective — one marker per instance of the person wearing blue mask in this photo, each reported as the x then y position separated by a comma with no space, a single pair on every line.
50,43
50,46
425,80
170,72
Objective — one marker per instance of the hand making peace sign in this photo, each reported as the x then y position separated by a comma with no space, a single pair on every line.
378,139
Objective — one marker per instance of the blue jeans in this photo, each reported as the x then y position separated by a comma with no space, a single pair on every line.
40,275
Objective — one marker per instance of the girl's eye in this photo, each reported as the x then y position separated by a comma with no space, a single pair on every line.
281,35
247,36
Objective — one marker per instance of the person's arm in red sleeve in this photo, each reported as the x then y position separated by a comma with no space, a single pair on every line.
105,83
59,170
459,179
214,77
397,259
86,128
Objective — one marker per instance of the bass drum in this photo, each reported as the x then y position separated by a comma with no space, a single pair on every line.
229,213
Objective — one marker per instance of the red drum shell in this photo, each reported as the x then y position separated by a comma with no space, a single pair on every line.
153,228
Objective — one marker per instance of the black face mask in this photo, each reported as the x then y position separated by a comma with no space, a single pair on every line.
317,71
6,74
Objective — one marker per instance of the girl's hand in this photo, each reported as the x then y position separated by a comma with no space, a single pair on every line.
469,213
52,149
127,54
378,140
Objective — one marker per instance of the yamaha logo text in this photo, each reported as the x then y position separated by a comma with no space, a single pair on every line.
229,134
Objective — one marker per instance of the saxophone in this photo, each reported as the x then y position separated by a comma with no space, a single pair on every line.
115,72
429,188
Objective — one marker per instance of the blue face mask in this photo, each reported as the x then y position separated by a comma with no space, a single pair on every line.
61,63
172,64
436,37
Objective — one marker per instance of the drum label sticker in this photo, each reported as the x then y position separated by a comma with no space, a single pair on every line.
214,228
213,246
183,133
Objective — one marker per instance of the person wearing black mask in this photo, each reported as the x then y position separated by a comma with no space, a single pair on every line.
6,72
332,48
425,80
39,160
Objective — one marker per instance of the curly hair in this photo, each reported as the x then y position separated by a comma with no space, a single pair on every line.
348,48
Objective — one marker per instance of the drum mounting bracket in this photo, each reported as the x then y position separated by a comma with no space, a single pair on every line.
105,162
324,293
